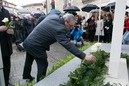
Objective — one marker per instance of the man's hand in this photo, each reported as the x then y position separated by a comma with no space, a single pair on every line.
10,31
3,28
90,58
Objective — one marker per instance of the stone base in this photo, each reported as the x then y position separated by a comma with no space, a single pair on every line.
122,79
1,78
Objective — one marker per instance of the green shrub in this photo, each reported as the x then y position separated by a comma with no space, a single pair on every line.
92,74
67,59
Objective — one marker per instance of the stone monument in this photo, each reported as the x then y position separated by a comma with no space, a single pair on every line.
117,66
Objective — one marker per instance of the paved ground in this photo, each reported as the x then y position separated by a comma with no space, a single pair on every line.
18,58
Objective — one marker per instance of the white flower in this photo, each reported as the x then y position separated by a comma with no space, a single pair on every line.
98,45
94,48
5,20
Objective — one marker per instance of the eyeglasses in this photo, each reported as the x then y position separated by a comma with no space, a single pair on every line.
70,25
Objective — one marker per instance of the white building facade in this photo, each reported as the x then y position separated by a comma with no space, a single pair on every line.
35,7
60,4
11,7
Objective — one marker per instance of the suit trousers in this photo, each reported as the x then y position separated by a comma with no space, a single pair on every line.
42,65
6,68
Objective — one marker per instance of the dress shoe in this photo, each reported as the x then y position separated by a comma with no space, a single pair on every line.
29,79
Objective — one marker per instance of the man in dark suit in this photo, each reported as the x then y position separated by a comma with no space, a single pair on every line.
5,41
53,28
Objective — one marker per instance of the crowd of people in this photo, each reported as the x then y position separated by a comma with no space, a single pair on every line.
83,30
36,40
94,27
37,34
100,29
22,28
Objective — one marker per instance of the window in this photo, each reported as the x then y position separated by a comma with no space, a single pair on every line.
38,9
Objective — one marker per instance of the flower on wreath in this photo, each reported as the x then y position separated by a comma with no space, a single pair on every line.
96,47
7,23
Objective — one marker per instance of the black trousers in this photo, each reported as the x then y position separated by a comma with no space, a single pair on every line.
6,68
107,37
42,65
91,35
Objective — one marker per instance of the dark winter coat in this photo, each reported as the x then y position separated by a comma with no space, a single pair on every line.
50,30
5,39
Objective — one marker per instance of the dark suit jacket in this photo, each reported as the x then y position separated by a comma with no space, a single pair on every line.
5,39
50,30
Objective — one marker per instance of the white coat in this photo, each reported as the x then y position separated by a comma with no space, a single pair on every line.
99,27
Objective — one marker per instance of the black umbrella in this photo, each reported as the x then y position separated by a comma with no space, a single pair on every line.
71,12
111,6
89,7
37,14
95,11
72,8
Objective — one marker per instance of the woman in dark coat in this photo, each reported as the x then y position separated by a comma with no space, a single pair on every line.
91,28
108,26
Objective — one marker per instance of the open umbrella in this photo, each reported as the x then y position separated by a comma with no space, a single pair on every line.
72,8
95,11
111,6
71,12
37,14
89,7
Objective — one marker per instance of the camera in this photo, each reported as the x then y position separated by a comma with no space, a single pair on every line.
76,26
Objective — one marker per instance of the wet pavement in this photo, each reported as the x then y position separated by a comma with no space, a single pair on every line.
56,53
